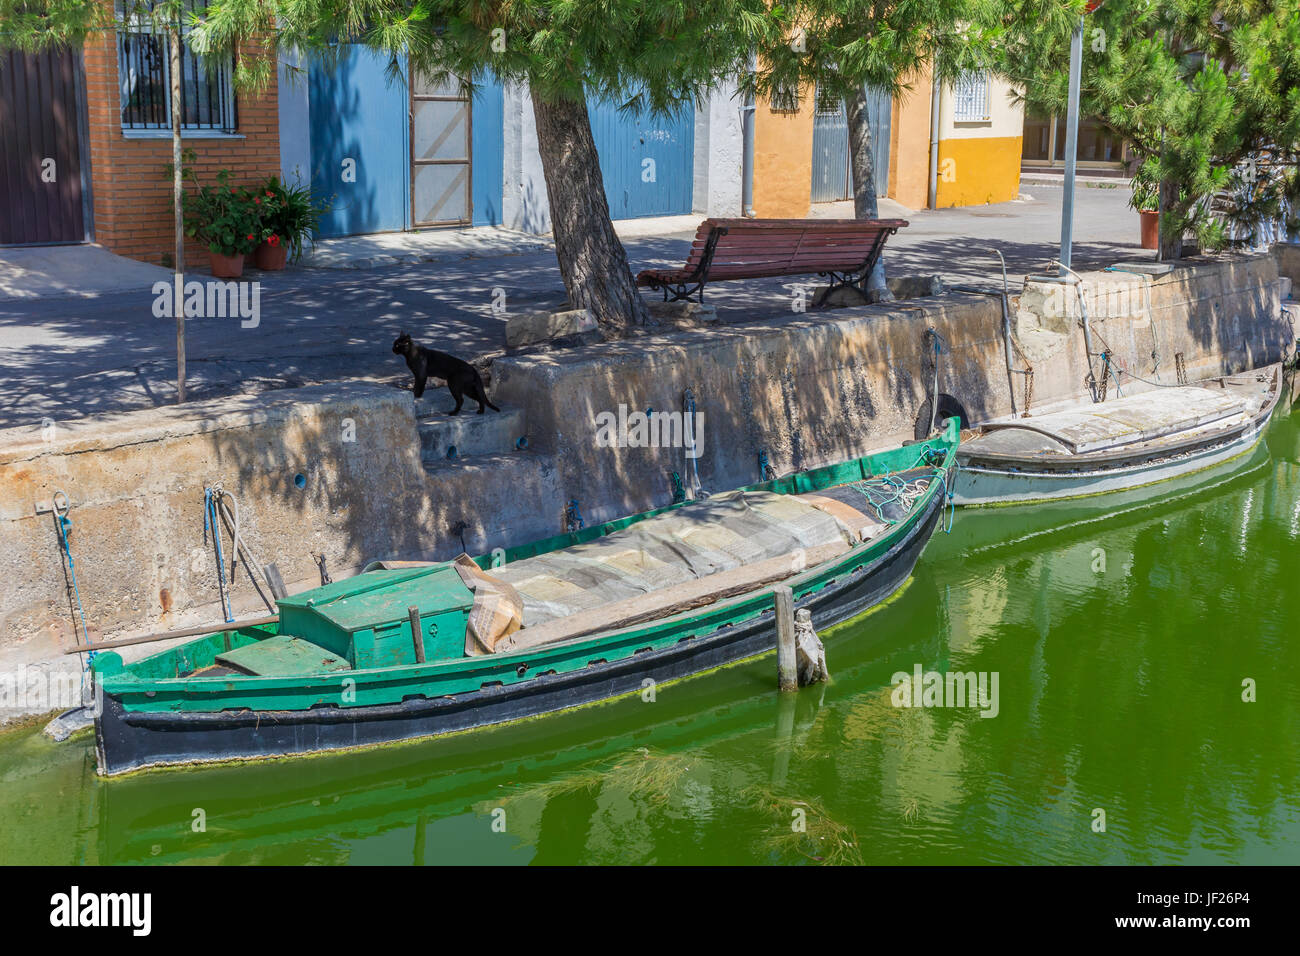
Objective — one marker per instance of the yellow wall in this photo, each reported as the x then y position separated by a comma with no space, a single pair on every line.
909,144
783,160
979,170
979,162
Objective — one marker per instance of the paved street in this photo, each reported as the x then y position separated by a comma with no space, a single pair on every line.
64,356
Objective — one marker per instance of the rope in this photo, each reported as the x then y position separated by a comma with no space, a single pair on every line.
64,524
210,520
690,451
1151,319
573,517
1110,370
228,507
888,489
1115,369
934,394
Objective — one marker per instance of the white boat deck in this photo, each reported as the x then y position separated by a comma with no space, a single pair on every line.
1124,421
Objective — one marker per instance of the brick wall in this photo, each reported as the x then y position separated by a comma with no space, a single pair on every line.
132,196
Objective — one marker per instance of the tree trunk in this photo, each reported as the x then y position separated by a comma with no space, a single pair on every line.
862,161
1171,240
592,261
178,308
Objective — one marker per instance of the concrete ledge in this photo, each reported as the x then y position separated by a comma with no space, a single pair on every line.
533,328
820,387
472,434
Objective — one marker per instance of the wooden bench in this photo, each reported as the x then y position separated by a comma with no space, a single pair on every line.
842,250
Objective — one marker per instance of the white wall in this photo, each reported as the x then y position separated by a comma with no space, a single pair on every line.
1005,117
524,202
719,154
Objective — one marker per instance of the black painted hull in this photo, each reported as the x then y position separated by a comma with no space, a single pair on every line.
127,741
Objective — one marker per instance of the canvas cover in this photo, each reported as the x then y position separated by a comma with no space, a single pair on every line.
497,611
694,541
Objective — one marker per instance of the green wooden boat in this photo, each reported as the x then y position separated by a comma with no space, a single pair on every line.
410,651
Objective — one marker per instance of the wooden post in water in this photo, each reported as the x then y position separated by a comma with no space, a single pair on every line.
786,664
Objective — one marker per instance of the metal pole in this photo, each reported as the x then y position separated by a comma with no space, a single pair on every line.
932,190
1071,146
747,155
178,306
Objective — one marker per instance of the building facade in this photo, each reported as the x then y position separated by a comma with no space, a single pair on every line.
87,144
86,141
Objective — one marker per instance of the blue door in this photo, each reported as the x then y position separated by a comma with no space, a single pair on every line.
487,121
647,161
360,142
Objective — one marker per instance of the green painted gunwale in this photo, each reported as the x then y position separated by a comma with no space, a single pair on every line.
149,685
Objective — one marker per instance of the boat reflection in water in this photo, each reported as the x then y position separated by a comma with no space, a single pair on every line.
1121,645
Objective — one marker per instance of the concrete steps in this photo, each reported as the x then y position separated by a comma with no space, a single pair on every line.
446,438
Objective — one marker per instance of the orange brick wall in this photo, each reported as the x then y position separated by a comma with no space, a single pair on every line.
131,194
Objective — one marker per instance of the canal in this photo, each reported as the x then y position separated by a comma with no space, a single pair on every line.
1142,707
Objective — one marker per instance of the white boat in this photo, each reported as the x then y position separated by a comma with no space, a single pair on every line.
1124,443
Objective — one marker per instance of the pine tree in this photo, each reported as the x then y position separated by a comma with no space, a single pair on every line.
648,55
841,48
1203,92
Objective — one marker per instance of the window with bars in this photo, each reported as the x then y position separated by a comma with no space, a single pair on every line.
970,97
144,77
784,98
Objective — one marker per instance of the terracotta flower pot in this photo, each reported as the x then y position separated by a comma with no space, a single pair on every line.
1150,228
226,267
270,258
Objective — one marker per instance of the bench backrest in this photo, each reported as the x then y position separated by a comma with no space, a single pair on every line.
770,247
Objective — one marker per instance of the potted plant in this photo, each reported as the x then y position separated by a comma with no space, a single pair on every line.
290,218
1146,200
223,218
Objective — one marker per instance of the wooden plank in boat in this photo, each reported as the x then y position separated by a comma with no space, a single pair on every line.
282,656
673,600
1133,418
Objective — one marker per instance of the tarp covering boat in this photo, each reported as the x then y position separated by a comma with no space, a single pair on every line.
698,540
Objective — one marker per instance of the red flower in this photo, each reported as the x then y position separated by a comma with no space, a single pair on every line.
258,200
270,195
232,190
250,237
273,240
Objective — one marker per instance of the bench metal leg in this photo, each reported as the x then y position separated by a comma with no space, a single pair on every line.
840,280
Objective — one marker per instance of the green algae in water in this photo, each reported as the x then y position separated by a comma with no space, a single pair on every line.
1121,643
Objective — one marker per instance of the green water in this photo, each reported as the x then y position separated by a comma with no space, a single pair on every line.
1119,689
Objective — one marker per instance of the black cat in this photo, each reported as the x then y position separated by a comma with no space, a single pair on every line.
462,378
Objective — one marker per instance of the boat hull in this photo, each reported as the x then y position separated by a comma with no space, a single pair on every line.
134,740
982,485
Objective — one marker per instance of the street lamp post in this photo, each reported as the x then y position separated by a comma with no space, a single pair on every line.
1072,139
1071,146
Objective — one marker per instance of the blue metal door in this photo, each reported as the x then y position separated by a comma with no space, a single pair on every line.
487,122
647,162
360,142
